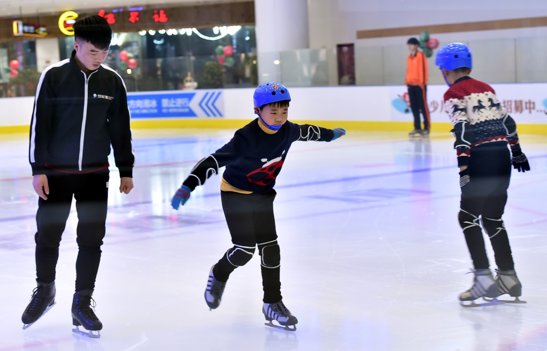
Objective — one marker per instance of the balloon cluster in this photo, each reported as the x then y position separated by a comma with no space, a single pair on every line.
225,55
14,68
128,60
428,44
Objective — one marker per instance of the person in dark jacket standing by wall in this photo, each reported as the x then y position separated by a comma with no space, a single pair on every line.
416,78
80,112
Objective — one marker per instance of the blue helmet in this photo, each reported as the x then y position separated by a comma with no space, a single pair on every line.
454,55
269,93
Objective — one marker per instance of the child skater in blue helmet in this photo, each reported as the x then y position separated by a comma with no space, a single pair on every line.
483,131
253,159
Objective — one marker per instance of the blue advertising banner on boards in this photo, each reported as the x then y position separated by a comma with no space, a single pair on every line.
179,104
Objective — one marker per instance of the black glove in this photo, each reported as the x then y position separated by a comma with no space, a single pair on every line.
464,177
519,160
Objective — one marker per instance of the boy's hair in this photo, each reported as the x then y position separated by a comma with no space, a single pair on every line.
413,41
465,70
278,104
94,29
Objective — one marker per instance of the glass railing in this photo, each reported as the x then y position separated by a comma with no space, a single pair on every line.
494,60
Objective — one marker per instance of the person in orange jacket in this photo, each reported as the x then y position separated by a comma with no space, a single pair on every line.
416,82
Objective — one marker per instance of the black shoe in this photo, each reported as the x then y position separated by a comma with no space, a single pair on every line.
43,298
82,311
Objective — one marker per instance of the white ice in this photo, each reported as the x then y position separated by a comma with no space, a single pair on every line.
372,254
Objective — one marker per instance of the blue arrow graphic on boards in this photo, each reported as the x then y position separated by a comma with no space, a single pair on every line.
207,104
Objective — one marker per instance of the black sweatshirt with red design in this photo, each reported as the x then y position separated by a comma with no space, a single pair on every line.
254,158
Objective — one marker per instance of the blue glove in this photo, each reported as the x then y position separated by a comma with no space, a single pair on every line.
338,132
181,196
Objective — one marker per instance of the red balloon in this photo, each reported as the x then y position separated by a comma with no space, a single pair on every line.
432,43
123,55
132,63
14,64
228,50
220,60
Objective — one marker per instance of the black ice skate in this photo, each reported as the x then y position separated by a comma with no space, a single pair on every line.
484,286
43,298
83,315
507,282
280,313
213,291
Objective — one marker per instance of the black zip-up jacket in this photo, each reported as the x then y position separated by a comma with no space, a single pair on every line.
77,117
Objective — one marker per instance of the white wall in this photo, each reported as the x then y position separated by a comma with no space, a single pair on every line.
333,22
527,103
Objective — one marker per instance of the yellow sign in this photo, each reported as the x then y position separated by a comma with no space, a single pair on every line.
22,29
66,21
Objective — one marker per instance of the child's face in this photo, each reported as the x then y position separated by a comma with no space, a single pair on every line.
275,115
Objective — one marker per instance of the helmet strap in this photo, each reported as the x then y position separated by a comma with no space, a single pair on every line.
444,77
270,127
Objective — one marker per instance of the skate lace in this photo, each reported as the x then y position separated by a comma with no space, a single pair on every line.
217,288
87,304
281,309
35,302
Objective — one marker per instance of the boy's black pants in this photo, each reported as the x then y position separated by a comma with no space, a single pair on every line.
484,198
251,222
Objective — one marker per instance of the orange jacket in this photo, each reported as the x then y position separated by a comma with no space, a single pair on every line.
416,69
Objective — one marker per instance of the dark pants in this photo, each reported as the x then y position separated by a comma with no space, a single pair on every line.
91,194
484,198
251,222
418,104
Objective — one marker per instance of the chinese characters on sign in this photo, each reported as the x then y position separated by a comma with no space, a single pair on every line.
133,15
511,106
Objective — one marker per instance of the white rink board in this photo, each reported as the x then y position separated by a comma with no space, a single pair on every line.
527,103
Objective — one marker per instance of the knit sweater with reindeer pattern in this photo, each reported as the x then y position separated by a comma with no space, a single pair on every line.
478,117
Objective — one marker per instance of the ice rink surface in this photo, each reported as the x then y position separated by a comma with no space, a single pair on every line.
372,254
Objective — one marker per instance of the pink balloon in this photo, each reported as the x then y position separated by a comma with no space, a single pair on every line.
432,43
132,63
220,60
228,50
14,64
123,55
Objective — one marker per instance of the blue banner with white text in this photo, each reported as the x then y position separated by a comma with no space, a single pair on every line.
180,104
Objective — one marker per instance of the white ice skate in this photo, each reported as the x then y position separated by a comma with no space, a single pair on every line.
484,286
279,313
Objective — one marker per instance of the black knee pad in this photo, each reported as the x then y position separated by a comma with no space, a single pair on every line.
240,255
492,226
468,220
270,254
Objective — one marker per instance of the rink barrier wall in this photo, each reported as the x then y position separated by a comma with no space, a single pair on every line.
364,108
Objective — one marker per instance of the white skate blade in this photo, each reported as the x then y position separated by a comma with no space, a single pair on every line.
516,300
94,334
485,302
25,326
290,327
